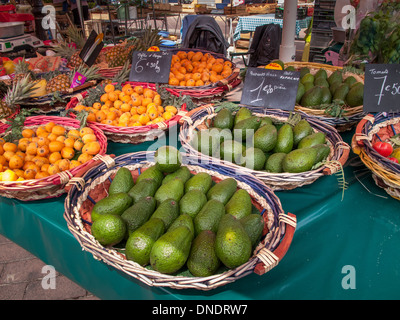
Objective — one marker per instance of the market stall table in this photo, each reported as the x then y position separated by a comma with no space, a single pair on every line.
342,249
249,23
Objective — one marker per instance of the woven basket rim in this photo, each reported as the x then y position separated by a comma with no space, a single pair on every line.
64,177
152,277
279,180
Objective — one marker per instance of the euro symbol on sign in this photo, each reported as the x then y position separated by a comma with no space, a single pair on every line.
48,21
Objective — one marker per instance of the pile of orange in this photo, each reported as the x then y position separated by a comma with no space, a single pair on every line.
194,69
129,107
46,150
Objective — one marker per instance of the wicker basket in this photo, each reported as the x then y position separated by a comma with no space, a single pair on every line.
278,231
201,117
133,135
353,115
208,93
54,185
370,129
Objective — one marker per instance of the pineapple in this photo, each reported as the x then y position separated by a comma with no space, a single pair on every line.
22,70
117,55
20,91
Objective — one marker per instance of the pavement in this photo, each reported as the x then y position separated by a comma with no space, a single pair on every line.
23,276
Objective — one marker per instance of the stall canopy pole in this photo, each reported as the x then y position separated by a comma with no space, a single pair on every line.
287,50
78,3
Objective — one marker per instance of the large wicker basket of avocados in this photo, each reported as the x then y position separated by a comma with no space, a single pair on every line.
377,142
163,219
285,150
331,94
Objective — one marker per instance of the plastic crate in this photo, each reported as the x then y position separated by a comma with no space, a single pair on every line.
325,4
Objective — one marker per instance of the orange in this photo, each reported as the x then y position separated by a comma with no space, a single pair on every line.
91,117
179,76
113,96
125,107
171,109
59,130
43,141
53,169
173,82
157,100
88,137
79,107
152,111
85,130
54,156
74,133
188,76
117,104
146,101
196,76
49,126
226,74
45,167
160,109
148,93
40,161
197,56
28,133
9,146
30,174
41,175
182,70
144,118
43,151
138,89
190,55
141,109
167,115
74,164
182,55
96,105
189,68
55,146
16,162
69,142
2,150
67,152
52,137
8,155
100,116
136,100
64,164
109,88
3,160
182,83
217,67
91,148
104,97
175,59
61,138
78,145
22,144
111,115
190,83
32,148
133,111
84,157
126,87
199,83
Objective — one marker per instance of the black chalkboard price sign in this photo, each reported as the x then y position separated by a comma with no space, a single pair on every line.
382,88
270,88
150,66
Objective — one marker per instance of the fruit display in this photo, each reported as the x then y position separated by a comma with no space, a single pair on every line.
284,150
378,38
380,149
46,150
125,105
197,69
170,219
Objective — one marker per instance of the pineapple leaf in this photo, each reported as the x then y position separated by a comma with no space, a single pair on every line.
14,131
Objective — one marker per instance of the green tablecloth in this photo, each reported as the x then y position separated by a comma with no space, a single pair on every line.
360,234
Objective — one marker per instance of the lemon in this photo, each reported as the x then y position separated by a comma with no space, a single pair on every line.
9,66
9,175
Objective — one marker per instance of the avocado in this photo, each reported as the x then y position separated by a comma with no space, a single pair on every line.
335,76
265,120
192,202
312,97
266,137
253,158
141,241
307,78
321,82
242,114
201,181
301,130
113,204
223,119
321,73
122,182
308,86
304,71
274,162
253,225
350,80
204,142
183,220
280,62
323,152
174,189
246,128
232,151
151,173
170,252
239,205
168,159
223,190
300,92
108,230
136,215
220,135
355,96
326,96
284,142
182,173
203,261
209,216
299,160
333,87
232,244
290,68
167,211
144,188
311,140
341,92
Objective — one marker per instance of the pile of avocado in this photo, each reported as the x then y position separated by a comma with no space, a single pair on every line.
170,218
320,89
262,143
